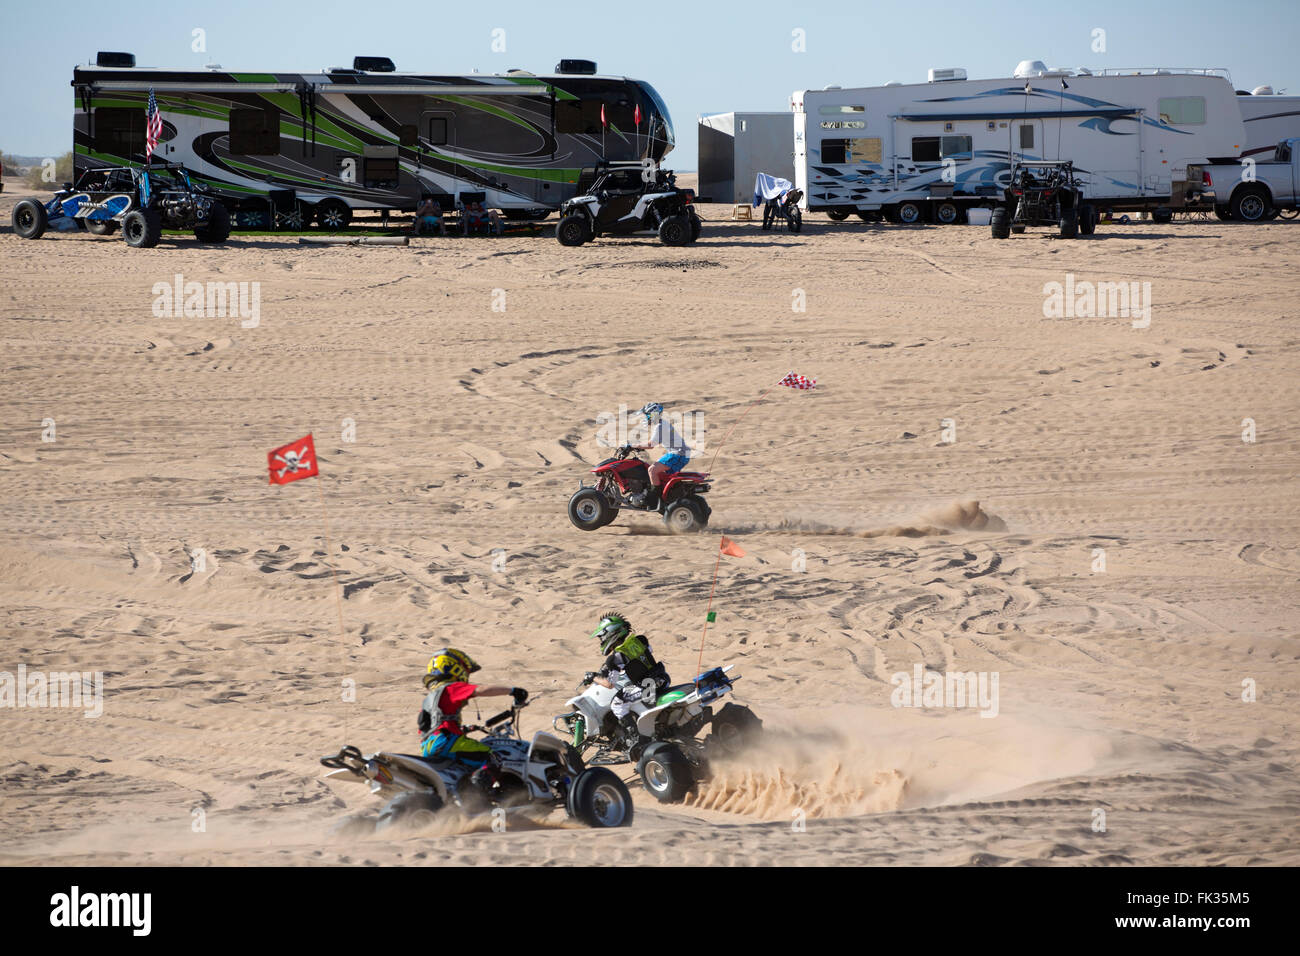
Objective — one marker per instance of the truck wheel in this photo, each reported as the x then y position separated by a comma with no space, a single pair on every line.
910,213
674,231
837,215
573,230
333,214
998,223
29,219
1069,223
142,228
946,213
101,227
217,228
588,510
599,799
413,808
1250,204
665,772
1087,220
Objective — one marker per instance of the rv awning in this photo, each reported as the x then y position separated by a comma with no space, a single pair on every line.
1017,114
356,89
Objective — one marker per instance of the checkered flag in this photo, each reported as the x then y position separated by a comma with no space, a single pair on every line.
795,380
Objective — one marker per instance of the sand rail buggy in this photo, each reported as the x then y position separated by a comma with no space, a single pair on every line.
1044,194
142,202
625,198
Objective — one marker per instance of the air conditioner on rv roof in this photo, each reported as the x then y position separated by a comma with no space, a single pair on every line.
948,74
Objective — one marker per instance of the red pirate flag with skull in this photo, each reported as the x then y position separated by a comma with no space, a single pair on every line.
293,461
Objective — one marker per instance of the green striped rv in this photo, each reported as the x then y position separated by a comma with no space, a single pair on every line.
304,146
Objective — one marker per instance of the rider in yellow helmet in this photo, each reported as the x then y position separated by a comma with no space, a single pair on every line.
447,681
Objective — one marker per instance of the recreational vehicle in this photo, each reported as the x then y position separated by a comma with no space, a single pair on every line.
304,145
933,150
1269,119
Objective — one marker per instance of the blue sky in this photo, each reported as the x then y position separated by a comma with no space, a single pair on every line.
702,57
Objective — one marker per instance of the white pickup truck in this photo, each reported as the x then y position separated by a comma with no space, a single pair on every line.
1253,190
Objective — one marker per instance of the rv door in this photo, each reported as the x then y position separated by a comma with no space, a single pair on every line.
438,148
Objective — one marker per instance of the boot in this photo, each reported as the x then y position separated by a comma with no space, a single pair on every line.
633,742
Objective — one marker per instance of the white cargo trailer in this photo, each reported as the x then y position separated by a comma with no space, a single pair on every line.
933,150
735,147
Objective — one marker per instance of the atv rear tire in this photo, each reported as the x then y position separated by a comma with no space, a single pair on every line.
735,727
142,229
1087,220
998,223
599,799
675,231
697,227
101,227
794,219
217,228
29,219
702,509
573,230
589,509
682,517
413,808
665,772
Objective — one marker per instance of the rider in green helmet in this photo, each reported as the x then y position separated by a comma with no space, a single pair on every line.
631,668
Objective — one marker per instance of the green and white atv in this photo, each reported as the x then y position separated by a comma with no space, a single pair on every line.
676,759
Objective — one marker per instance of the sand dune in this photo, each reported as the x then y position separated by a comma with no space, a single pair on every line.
1099,535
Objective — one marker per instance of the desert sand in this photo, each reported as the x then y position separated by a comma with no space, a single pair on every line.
1083,439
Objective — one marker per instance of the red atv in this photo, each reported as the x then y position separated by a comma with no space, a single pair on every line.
624,482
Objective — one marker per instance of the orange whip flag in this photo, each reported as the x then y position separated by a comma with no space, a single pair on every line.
728,547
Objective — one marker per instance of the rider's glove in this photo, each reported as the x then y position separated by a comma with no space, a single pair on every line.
589,677
424,721
519,694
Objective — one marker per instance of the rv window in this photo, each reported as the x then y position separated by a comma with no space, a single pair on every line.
119,131
1182,110
956,147
865,150
408,135
254,132
1026,136
835,151
438,131
381,172
583,116
833,110
925,149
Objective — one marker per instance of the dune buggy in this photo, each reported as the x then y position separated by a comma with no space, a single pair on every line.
625,198
142,202
1044,194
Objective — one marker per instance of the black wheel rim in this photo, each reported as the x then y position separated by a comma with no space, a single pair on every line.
26,218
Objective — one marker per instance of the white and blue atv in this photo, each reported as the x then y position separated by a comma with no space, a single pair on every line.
542,772
142,202
674,760
625,198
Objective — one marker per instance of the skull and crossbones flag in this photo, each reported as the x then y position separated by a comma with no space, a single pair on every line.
293,461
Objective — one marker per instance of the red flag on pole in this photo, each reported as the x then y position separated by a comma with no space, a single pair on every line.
636,115
293,461
603,122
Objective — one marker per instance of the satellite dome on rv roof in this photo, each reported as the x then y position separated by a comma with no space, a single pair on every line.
1028,68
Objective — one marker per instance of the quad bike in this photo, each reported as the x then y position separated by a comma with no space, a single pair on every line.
542,772
675,760
624,482
787,208
626,198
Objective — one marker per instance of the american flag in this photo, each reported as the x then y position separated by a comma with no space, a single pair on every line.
153,127
795,380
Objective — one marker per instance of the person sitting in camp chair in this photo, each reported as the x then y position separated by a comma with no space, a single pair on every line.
428,218
478,219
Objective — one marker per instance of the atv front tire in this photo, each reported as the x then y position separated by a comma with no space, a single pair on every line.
599,799
142,229
682,517
29,219
665,772
675,231
589,509
573,230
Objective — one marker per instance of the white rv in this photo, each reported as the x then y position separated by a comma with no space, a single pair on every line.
931,150
1269,119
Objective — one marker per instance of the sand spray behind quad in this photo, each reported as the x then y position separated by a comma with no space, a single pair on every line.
872,763
959,515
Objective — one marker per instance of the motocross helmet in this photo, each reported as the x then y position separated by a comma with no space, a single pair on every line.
652,411
611,631
449,664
